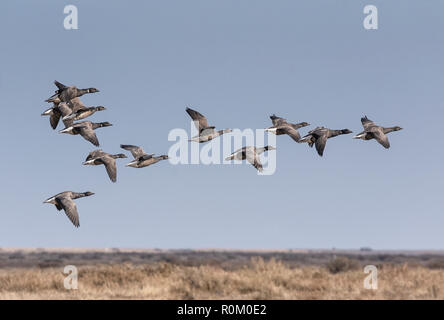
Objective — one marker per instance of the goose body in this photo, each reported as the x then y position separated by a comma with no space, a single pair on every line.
98,157
83,113
86,130
373,131
281,126
319,137
251,154
206,132
141,159
66,93
65,201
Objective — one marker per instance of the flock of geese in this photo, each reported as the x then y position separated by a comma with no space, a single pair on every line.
66,105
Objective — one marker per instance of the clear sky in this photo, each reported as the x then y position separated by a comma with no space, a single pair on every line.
237,62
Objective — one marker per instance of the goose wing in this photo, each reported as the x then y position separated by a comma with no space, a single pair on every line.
277,121
321,140
136,151
70,208
65,110
253,158
202,122
379,136
59,85
110,165
88,134
292,132
367,123
76,104
54,118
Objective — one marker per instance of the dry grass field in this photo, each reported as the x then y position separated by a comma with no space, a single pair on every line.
114,274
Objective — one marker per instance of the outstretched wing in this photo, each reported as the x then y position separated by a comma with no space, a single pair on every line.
110,165
54,118
367,123
201,123
379,136
277,121
253,158
76,104
70,208
292,132
59,85
89,134
136,151
320,144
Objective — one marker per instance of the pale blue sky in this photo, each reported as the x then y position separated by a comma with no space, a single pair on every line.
237,62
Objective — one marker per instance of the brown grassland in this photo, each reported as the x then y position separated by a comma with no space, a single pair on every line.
244,276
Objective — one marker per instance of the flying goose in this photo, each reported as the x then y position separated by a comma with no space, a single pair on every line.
141,159
319,137
98,157
65,93
281,126
64,200
251,154
206,132
86,130
372,131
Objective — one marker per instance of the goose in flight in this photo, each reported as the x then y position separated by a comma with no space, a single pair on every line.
86,130
66,93
281,126
319,137
251,154
206,132
64,200
98,157
141,159
372,131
